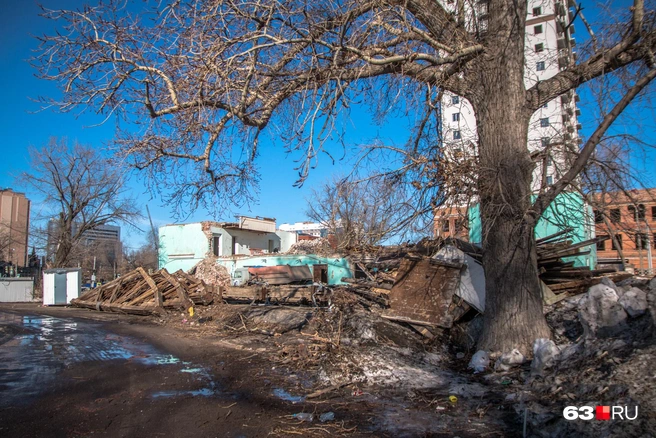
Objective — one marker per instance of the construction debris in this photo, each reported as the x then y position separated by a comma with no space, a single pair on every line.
142,294
319,246
423,292
209,271
283,274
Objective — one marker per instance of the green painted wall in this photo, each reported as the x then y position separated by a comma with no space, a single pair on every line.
338,267
568,210
183,246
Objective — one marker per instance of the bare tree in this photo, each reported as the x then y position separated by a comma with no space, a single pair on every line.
85,191
204,79
359,213
146,256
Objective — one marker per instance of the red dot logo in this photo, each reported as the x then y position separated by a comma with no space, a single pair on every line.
603,412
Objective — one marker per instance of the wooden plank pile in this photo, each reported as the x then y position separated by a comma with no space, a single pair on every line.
562,276
142,294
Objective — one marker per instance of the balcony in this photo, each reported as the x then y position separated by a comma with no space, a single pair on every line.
561,10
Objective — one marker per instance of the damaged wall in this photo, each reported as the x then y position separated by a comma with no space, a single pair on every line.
338,267
568,210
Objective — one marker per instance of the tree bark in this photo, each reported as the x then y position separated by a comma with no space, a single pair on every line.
513,306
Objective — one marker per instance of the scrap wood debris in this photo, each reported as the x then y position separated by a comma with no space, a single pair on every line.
142,294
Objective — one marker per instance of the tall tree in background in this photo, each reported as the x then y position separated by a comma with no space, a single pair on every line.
84,191
359,213
202,80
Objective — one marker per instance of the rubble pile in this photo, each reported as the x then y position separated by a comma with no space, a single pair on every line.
142,294
319,246
600,356
209,271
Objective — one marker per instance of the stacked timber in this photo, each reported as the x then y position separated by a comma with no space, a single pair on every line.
559,274
142,294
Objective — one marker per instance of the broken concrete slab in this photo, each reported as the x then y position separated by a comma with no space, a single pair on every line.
600,312
472,276
634,302
545,354
279,319
608,282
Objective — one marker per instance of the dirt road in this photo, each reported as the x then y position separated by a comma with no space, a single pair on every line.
64,375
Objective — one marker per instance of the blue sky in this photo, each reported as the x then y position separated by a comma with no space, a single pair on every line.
23,125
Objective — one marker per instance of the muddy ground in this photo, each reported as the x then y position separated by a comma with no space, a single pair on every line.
241,370
75,372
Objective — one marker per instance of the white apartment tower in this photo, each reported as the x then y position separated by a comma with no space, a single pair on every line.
553,128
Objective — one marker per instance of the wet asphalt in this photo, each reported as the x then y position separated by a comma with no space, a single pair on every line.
44,346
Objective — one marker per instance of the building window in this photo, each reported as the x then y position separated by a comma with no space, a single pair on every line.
549,161
455,117
483,24
653,240
455,99
540,66
615,216
539,47
638,214
618,238
216,245
445,226
601,246
549,180
641,241
598,216
537,29
537,12
544,141
456,135
653,213
632,211
544,122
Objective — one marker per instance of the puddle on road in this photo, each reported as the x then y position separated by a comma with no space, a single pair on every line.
284,395
30,362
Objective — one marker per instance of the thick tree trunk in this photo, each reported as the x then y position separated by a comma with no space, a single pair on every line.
62,254
513,308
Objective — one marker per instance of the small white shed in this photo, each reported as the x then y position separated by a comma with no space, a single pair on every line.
61,285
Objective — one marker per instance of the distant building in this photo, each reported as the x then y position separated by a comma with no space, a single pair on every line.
452,222
316,229
553,129
629,219
182,246
14,227
102,243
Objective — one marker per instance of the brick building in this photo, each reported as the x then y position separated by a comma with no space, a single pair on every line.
630,220
14,225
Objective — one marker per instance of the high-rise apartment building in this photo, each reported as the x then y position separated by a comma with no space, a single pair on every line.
14,227
553,129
